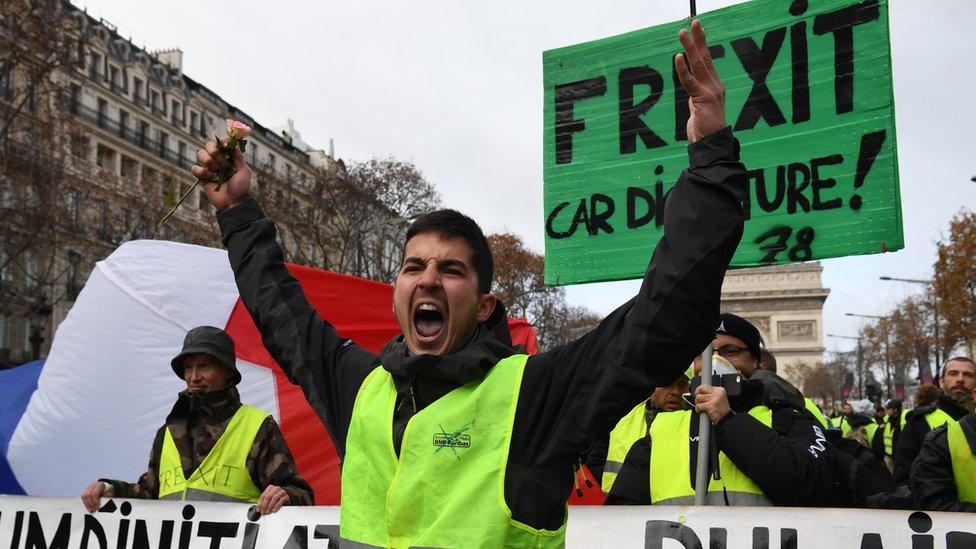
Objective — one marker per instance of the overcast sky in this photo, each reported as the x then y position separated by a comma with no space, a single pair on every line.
456,87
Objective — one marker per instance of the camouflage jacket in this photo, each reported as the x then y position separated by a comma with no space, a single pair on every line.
196,422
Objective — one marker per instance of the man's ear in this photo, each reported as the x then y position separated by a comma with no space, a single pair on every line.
486,306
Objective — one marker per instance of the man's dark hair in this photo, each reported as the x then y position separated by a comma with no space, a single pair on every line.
955,359
452,223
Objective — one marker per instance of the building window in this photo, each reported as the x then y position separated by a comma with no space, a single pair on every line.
194,120
105,158
154,100
73,205
204,202
4,336
6,86
163,143
6,192
114,76
30,272
130,168
95,70
123,121
101,221
137,91
31,97
143,134
75,95
6,269
167,191
31,197
26,344
252,153
79,145
102,113
71,280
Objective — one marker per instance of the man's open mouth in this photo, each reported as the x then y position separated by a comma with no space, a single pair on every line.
428,320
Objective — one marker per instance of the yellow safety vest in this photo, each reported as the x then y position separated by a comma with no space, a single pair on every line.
670,474
889,432
223,474
845,425
815,410
631,428
870,430
937,418
963,463
447,486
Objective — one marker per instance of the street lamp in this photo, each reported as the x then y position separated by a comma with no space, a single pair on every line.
884,321
860,371
935,309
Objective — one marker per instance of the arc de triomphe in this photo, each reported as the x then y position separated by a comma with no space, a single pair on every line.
786,303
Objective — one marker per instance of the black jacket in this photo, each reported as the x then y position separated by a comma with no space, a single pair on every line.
933,483
571,395
916,427
786,461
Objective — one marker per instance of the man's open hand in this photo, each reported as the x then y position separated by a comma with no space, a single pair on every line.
234,189
706,93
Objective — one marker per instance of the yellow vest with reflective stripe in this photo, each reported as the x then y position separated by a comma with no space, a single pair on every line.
845,425
631,428
889,437
223,474
815,410
963,463
670,474
889,431
447,486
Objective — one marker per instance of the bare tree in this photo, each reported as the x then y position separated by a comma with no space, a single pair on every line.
520,285
40,199
955,284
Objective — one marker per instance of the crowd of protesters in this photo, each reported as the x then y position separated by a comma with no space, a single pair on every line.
525,423
775,447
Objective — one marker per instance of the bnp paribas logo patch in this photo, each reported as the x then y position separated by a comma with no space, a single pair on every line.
453,439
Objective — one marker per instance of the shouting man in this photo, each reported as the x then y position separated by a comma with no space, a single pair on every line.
449,436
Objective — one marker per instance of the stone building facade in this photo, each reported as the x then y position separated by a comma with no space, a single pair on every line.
124,128
786,303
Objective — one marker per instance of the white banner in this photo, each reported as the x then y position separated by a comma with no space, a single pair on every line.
62,523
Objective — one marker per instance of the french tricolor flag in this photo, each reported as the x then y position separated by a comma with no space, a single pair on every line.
92,408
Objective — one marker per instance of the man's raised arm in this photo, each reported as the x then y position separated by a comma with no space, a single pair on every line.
591,382
309,350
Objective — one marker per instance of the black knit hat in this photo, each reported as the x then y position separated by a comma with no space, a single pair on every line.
738,327
211,341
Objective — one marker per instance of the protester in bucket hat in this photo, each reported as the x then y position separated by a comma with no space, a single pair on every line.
210,429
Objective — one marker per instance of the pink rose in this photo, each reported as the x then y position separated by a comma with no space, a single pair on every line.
237,130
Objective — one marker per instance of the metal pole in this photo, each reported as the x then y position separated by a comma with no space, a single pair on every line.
887,358
860,372
693,9
935,313
704,431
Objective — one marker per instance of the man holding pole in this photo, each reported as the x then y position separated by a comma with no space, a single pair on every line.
767,449
449,438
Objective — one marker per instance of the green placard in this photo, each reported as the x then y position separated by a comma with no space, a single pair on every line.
809,95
